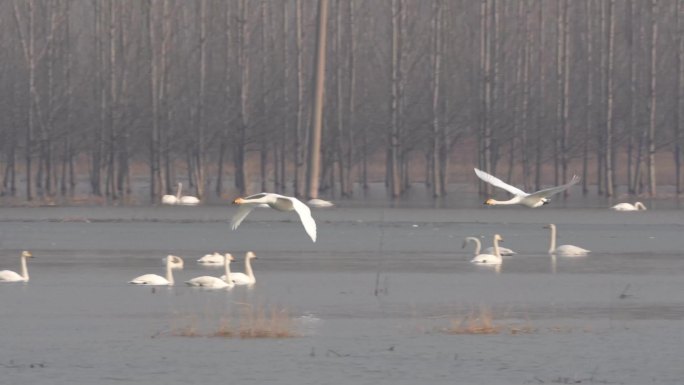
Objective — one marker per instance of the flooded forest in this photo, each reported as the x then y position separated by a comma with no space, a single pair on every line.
114,95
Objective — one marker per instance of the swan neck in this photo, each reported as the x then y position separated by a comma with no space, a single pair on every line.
178,192
496,247
24,269
169,272
226,265
552,247
248,268
512,201
478,246
639,206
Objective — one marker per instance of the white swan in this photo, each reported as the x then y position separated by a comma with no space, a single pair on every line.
172,262
172,199
242,278
490,259
535,199
637,206
319,203
490,250
564,250
10,276
186,200
209,282
212,259
278,202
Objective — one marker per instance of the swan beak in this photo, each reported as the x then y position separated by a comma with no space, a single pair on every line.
489,202
238,201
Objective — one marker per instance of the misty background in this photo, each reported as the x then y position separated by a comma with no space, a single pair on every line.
99,97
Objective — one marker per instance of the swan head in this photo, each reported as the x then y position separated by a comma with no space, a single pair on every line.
250,255
238,201
489,202
26,254
545,201
550,226
498,238
176,262
229,257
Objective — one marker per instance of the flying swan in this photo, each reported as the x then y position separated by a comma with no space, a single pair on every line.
10,276
505,252
278,202
637,206
490,259
242,278
564,250
209,282
172,262
535,199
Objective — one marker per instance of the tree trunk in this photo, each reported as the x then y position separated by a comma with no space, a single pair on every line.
589,107
679,106
243,91
652,100
393,175
610,178
437,187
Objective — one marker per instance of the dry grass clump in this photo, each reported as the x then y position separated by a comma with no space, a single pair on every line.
481,321
249,322
258,323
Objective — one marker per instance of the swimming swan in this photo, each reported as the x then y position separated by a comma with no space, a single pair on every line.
10,276
172,199
186,200
212,259
172,262
490,250
490,259
564,250
535,199
278,202
242,278
637,206
209,282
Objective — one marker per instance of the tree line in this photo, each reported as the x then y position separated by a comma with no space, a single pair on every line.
207,90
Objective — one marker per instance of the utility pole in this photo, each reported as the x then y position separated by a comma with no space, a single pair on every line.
314,159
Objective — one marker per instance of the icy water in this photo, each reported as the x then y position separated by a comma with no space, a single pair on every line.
375,301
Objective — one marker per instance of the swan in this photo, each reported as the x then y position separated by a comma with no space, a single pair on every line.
10,276
186,200
172,262
172,199
242,278
478,245
564,250
212,259
278,202
490,259
209,282
319,203
536,199
637,206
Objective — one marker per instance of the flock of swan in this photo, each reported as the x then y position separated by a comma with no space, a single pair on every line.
491,256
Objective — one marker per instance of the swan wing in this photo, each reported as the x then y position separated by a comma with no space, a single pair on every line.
494,181
305,215
545,193
149,279
240,279
10,276
240,216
